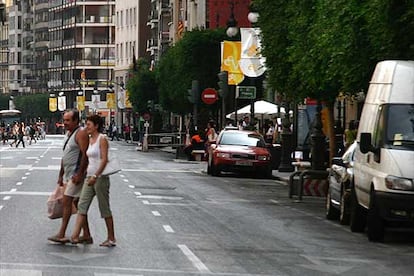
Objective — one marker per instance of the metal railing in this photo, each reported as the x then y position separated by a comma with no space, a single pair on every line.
159,140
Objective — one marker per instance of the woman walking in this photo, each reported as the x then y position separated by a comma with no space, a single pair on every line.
95,183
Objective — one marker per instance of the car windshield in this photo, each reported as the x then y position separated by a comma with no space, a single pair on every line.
400,124
242,139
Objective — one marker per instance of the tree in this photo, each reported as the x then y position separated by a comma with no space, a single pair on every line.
195,57
317,49
142,86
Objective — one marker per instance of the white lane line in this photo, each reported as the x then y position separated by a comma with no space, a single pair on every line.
56,158
6,197
168,203
168,229
26,272
1,207
145,202
13,190
19,183
122,176
125,180
156,213
274,201
112,274
24,177
137,193
26,193
27,173
131,186
194,259
161,197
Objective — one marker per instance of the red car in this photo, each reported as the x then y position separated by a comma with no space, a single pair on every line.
239,151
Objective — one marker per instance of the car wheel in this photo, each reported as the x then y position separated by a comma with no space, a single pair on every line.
331,212
358,214
375,223
344,210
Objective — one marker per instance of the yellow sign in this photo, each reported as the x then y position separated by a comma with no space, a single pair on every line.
52,104
128,104
110,100
80,103
231,54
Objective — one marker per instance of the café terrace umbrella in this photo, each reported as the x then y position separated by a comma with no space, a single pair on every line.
261,109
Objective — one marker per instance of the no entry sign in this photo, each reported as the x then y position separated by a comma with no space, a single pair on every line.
209,96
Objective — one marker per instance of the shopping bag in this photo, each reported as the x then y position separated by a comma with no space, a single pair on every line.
55,203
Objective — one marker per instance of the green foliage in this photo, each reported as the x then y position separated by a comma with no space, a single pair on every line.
33,106
142,87
195,57
316,48
4,102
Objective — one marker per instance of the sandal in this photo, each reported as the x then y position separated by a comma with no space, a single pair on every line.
108,243
58,239
85,240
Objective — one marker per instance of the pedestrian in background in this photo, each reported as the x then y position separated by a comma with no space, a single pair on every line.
20,135
72,172
95,184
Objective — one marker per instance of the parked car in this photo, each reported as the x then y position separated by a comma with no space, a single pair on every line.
239,151
340,179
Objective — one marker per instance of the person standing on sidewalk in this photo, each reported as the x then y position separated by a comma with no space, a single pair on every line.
72,172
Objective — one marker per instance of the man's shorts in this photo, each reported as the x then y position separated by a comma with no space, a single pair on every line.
72,189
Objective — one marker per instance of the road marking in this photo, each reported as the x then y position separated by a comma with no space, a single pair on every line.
56,158
125,180
19,183
168,229
156,213
32,158
113,274
26,193
1,207
167,203
13,272
122,176
152,170
131,186
13,190
27,173
160,197
194,259
137,193
6,197
75,256
274,201
24,177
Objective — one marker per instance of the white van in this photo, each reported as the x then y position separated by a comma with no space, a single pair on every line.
383,192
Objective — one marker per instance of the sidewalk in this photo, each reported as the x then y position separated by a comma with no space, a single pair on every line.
280,176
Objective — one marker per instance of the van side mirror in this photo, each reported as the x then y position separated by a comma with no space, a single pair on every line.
365,144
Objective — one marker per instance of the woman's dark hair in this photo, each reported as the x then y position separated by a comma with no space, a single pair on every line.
96,120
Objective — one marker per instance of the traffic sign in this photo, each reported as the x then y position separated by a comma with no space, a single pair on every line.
209,96
246,92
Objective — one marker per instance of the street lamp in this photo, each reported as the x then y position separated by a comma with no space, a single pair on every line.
232,23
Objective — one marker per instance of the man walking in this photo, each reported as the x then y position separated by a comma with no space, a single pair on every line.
72,172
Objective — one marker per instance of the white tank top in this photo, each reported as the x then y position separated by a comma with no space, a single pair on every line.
94,156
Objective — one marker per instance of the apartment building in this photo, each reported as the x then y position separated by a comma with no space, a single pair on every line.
20,46
81,50
4,48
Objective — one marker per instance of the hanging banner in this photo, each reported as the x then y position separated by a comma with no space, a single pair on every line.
110,100
52,104
128,104
121,99
251,45
252,67
230,61
62,103
80,103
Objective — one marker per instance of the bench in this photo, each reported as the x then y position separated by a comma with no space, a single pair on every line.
198,154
